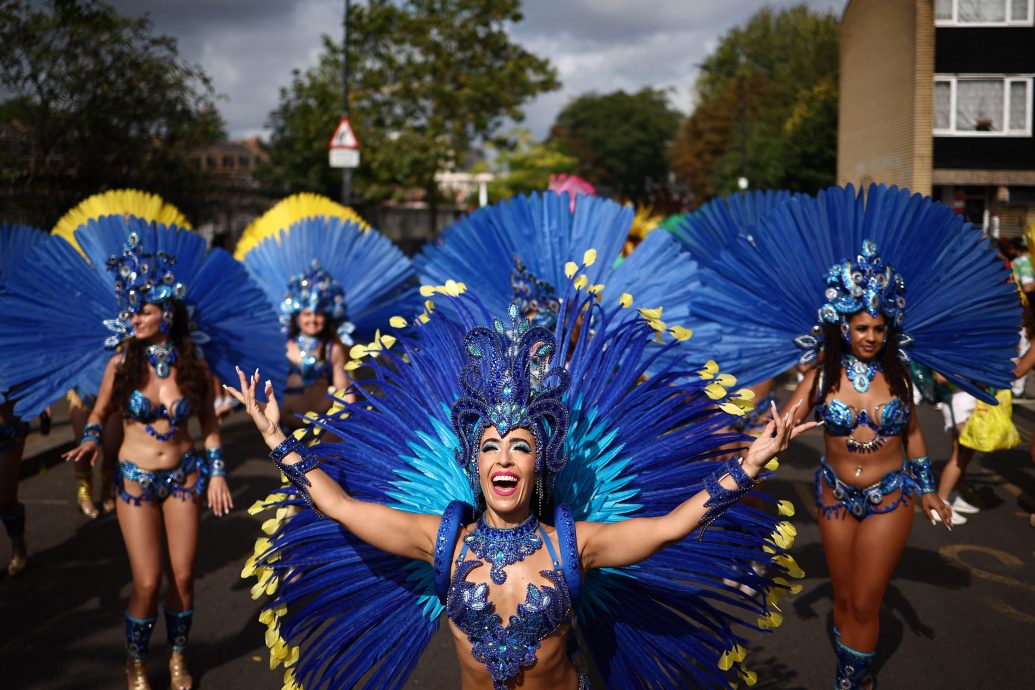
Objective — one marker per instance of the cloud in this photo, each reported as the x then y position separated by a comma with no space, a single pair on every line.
250,48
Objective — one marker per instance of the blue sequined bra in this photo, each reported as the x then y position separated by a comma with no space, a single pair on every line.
139,408
505,651
842,419
310,368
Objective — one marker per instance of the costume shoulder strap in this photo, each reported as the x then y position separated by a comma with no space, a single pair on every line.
571,565
456,515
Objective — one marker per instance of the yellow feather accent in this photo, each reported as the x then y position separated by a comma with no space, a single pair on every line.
397,322
658,326
271,526
424,318
388,341
785,507
429,305
625,300
595,289
287,212
728,380
715,391
772,465
681,334
732,409
710,370
746,394
589,257
750,677
118,202
352,365
570,269
581,282
427,290
725,661
651,314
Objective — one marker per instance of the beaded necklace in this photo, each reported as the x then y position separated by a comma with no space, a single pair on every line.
161,356
859,372
503,546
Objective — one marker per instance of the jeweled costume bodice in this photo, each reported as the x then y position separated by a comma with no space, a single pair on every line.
506,649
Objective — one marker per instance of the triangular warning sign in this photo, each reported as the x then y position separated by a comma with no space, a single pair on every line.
343,137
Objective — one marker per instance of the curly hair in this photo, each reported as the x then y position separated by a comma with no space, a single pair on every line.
895,370
192,374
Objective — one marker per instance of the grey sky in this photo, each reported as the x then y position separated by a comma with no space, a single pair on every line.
250,47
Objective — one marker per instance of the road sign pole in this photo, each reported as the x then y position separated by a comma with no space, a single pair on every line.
346,173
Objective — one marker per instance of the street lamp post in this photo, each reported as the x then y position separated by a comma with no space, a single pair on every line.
346,172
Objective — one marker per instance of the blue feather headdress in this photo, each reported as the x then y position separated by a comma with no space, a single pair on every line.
503,384
963,311
141,277
313,289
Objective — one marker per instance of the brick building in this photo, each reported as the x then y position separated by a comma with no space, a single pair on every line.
937,96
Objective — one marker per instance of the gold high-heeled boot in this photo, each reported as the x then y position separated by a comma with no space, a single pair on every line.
136,674
179,678
84,493
19,556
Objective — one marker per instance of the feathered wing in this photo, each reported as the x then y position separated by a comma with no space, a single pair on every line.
342,610
287,212
708,230
62,345
16,241
541,230
148,207
961,312
376,276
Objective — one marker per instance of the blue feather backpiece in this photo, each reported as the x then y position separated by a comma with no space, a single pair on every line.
962,309
377,277
56,304
637,446
16,241
707,231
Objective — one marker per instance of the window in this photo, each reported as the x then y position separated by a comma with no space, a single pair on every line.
979,105
984,12
228,161
244,161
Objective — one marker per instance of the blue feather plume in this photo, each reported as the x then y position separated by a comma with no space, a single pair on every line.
962,310
636,447
378,279
16,241
708,230
56,304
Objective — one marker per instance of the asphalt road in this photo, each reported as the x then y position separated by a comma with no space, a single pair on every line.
960,612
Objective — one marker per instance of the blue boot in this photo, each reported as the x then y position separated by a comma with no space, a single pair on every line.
853,668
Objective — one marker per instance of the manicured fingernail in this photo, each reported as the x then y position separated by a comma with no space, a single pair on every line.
268,384
256,374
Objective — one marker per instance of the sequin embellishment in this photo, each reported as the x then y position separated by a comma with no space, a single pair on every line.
504,546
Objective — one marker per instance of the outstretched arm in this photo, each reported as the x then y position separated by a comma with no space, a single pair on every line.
395,531
612,545
91,443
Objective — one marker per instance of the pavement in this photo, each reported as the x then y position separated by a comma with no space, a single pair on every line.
960,611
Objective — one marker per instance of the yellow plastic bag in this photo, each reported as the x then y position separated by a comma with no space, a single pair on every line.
991,427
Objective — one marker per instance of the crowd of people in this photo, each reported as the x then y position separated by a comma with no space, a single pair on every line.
589,417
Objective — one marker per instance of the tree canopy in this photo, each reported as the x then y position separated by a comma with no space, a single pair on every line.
620,139
766,107
95,101
429,79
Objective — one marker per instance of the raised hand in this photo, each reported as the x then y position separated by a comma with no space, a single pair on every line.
776,436
265,415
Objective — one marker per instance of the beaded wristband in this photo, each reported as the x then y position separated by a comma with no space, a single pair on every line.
216,464
719,497
92,432
920,468
295,473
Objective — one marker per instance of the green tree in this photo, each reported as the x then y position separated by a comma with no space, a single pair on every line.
96,101
766,107
619,139
524,166
429,78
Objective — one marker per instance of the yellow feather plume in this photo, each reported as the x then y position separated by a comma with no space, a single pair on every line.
118,202
288,211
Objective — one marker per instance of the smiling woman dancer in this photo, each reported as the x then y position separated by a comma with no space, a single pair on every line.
801,260
457,521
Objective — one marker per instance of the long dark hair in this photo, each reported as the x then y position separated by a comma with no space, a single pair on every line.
895,370
192,375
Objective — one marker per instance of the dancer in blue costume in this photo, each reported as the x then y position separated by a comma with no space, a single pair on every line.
705,233
16,241
331,278
115,202
445,477
171,298
878,269
517,251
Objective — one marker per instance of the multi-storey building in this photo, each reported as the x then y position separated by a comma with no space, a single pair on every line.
937,96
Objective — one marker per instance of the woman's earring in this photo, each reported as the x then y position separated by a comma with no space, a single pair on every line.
539,489
845,333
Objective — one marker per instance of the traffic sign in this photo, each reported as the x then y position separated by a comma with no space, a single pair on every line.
343,137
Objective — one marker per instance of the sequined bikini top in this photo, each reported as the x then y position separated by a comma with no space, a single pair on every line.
139,408
309,367
505,651
841,419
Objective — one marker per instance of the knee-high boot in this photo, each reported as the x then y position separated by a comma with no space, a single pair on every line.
853,667
177,626
138,637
